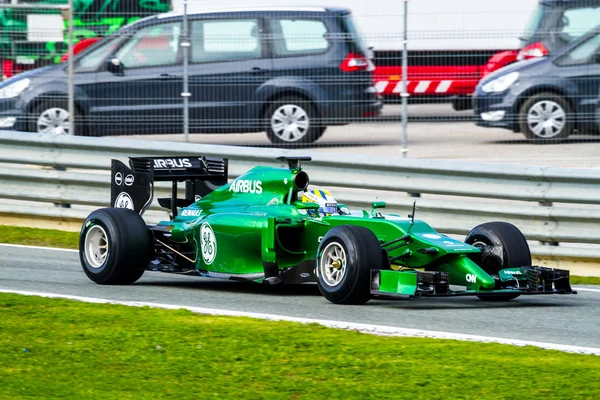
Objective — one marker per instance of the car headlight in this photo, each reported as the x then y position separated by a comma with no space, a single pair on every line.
500,84
14,89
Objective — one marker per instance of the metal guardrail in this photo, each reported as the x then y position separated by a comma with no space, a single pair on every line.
549,205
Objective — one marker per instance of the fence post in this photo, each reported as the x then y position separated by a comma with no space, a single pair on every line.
186,92
404,93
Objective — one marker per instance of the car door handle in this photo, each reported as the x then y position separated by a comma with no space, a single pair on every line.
258,70
167,76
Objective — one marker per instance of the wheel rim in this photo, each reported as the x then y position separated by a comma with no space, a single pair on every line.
96,246
55,121
332,266
290,123
546,119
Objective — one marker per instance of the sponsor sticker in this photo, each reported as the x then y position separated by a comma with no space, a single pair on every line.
208,243
509,272
129,179
124,201
170,163
118,178
191,213
274,201
431,236
246,186
472,278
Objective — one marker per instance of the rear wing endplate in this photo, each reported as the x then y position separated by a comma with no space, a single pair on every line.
133,186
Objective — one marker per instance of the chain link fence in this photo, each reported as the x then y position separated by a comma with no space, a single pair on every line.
316,77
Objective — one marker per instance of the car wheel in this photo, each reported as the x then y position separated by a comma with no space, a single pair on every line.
502,246
114,246
345,258
53,117
292,121
546,116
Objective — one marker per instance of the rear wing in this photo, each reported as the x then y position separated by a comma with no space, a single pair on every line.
133,186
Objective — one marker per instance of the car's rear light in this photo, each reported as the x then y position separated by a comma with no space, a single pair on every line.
355,62
532,51
8,68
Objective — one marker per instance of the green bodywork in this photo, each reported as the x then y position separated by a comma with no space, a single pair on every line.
258,220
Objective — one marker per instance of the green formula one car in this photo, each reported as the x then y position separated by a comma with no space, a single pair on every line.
266,227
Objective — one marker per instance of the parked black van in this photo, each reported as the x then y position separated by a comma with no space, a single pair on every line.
291,72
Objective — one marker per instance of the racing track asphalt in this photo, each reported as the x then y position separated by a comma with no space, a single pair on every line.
567,320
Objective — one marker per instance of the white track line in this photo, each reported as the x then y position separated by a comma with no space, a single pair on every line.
586,289
22,246
364,328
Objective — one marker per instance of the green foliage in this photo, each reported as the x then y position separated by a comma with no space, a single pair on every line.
64,349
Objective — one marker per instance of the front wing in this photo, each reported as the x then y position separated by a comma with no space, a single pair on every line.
530,280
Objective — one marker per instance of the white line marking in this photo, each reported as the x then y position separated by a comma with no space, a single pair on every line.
586,289
22,246
352,326
443,86
380,86
422,86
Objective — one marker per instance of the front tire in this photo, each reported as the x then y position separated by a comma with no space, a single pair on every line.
546,116
345,258
52,117
502,246
292,121
114,246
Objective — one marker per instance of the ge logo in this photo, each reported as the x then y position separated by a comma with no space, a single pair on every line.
124,201
208,243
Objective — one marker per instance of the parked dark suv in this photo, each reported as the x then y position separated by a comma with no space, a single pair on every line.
545,98
291,72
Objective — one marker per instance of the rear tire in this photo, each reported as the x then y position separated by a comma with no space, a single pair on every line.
292,121
356,251
114,246
502,246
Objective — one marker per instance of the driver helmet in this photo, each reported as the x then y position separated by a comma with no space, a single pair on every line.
327,203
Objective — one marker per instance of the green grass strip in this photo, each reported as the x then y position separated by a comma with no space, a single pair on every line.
39,237
52,348
70,240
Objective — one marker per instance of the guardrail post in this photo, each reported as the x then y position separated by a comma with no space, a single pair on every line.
546,203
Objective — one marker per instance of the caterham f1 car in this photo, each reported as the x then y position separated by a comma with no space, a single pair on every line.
258,228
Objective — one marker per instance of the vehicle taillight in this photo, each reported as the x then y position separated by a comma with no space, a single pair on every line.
8,68
532,51
355,62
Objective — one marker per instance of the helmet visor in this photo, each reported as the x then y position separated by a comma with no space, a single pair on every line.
329,208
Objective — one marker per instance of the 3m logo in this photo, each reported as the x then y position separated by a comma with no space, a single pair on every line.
472,278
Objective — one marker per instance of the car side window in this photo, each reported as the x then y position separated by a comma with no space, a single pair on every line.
298,37
92,60
225,40
152,46
585,53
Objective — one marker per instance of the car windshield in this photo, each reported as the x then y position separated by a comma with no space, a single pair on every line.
534,22
560,24
576,22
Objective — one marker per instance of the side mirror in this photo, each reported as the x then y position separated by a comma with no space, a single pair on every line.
114,65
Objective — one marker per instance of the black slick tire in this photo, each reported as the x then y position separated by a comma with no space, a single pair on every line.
502,246
362,253
128,246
